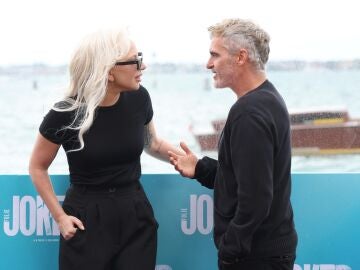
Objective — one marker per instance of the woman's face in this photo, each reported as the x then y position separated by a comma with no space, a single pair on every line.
126,74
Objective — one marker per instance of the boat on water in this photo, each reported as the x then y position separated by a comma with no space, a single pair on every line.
313,132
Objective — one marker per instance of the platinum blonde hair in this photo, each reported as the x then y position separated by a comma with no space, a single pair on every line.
89,69
238,33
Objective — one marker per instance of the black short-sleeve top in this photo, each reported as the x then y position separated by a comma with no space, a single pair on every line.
113,144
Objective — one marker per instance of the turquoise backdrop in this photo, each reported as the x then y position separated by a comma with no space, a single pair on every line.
326,207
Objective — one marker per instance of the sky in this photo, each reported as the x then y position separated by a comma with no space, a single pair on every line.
48,31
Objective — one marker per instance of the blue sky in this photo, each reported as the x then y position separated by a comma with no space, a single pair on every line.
46,31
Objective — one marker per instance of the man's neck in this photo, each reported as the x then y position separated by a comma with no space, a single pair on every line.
249,82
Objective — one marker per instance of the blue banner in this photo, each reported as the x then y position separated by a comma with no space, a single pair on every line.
326,207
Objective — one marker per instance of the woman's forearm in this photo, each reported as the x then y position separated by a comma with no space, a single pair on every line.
159,149
45,189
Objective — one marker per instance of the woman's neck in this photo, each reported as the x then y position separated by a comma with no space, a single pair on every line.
110,99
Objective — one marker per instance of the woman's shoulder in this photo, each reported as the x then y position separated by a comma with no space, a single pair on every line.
143,91
60,113
140,94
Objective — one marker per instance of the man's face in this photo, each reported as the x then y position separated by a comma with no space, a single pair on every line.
221,63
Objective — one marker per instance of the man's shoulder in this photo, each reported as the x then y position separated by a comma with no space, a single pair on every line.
251,103
262,103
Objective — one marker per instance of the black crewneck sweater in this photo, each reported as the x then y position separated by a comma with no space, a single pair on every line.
253,215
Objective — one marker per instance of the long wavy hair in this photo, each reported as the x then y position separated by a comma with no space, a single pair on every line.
89,69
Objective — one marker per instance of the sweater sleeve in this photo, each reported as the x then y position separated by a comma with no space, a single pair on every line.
205,171
252,161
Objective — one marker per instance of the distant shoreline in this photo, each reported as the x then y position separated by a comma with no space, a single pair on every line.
286,65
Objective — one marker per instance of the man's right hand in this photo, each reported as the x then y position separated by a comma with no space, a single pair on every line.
185,165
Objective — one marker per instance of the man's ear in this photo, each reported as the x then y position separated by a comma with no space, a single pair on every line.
242,56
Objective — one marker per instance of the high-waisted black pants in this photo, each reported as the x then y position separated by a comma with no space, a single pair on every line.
120,230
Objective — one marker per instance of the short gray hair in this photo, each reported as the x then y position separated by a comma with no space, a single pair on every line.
239,33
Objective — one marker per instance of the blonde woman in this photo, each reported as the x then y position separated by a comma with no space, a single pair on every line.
103,124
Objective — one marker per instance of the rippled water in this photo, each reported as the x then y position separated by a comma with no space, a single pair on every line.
181,101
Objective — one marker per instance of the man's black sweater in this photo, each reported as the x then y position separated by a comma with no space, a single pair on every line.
253,215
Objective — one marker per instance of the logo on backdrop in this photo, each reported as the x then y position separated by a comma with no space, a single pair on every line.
322,267
29,216
199,215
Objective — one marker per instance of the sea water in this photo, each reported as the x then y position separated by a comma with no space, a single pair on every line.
183,103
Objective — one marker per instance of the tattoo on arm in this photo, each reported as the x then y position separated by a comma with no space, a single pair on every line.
148,137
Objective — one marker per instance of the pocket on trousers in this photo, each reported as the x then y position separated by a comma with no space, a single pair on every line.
78,236
145,212
75,211
78,240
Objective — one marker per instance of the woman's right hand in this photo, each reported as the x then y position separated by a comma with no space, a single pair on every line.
68,225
